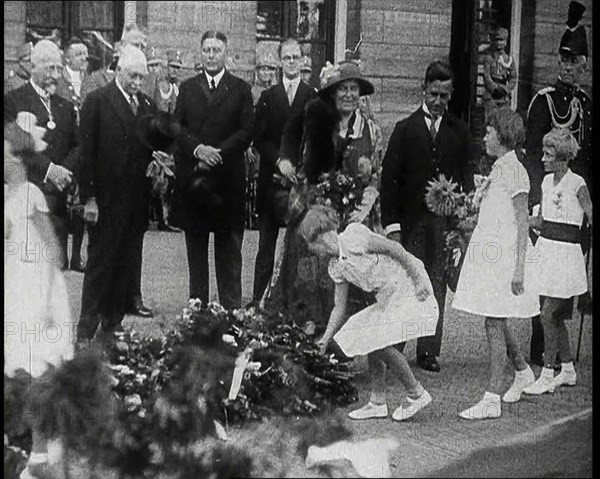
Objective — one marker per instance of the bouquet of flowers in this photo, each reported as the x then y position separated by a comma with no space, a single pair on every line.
444,198
339,191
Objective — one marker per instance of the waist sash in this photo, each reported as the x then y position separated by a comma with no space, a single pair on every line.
567,233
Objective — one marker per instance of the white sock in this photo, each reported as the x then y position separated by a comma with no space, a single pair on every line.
489,396
37,458
568,367
547,372
523,372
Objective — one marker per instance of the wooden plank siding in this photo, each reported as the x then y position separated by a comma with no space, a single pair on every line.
399,40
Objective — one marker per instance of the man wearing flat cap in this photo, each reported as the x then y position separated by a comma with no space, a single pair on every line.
499,72
22,75
565,105
53,170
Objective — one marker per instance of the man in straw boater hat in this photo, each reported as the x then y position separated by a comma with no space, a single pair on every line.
430,142
53,170
114,189
566,105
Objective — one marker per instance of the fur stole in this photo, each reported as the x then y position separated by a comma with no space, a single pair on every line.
319,150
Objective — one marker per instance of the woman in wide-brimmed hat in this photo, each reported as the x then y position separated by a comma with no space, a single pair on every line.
333,135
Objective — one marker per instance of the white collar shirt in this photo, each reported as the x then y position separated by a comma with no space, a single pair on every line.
75,78
293,83
428,120
217,78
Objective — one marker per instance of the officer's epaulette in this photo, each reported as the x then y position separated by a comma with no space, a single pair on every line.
543,91
583,92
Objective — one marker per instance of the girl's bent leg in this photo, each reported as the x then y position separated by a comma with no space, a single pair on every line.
397,363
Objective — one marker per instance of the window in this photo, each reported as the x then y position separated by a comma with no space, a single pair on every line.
311,22
99,24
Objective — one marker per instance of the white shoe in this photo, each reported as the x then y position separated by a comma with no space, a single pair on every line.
406,411
565,378
522,380
489,407
544,384
369,411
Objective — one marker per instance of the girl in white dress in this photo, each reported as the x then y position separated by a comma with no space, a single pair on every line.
496,280
405,308
561,268
38,330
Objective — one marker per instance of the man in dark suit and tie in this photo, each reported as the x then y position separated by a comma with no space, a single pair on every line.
274,108
216,114
116,193
429,142
52,171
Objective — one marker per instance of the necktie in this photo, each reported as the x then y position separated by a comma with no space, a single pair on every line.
432,129
213,85
290,93
133,101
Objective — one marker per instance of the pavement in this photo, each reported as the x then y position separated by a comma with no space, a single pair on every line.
435,442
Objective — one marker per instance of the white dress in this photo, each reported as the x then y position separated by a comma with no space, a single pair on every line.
561,267
397,316
37,320
484,284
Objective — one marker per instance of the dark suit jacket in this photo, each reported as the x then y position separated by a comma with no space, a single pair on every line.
223,119
62,141
113,159
413,158
273,111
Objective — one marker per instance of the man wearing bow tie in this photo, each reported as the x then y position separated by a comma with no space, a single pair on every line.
115,192
216,115
53,170
429,142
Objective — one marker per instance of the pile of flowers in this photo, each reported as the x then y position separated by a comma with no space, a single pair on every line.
149,407
339,191
283,371
444,198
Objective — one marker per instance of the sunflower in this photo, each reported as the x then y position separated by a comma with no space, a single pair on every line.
441,196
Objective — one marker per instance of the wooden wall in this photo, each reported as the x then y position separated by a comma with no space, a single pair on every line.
14,33
400,38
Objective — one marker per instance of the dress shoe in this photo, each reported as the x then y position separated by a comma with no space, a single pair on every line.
369,411
411,407
141,311
168,227
429,363
544,384
489,407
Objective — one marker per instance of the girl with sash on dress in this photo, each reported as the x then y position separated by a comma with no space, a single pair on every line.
561,267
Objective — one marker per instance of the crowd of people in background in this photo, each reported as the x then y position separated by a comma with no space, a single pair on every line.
103,151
